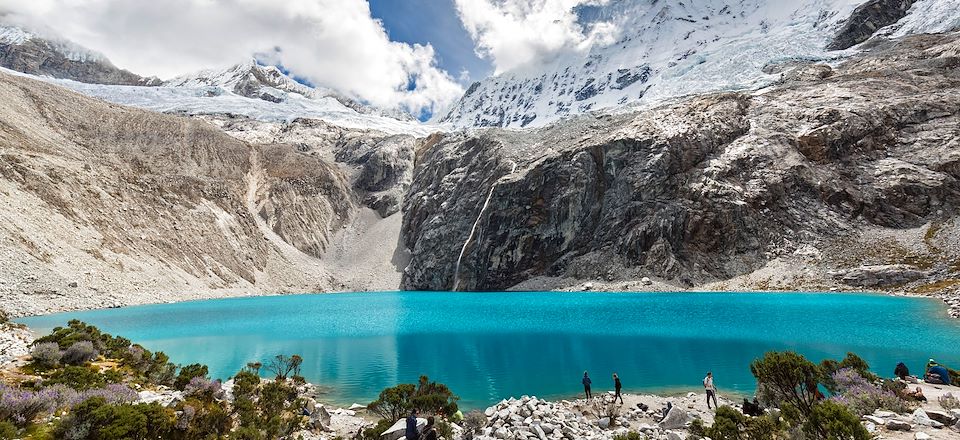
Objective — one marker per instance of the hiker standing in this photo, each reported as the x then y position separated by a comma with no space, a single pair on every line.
429,431
616,387
711,389
586,384
411,433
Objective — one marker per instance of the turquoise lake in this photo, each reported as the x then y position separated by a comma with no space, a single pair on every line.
489,346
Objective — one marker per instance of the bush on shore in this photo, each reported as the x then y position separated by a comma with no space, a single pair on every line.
789,381
396,402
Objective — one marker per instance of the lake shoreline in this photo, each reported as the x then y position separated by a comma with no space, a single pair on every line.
63,304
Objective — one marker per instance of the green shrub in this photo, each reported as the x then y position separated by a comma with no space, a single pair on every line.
444,429
730,424
187,373
283,366
265,411
374,432
202,420
7,430
396,402
4,317
632,435
831,421
79,353
46,355
161,371
393,402
79,378
94,419
790,377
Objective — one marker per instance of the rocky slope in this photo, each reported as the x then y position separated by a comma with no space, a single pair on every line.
105,205
846,169
666,50
24,51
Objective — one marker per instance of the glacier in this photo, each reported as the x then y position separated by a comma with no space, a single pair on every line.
670,50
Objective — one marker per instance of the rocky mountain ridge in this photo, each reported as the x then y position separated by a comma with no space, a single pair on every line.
839,176
711,188
144,207
248,88
27,52
665,51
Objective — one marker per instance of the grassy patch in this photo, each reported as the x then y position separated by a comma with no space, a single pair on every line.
937,286
931,234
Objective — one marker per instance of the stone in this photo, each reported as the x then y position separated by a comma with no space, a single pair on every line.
941,416
898,425
921,436
322,415
357,407
490,412
398,429
675,419
646,281
673,436
874,419
920,417
884,414
604,423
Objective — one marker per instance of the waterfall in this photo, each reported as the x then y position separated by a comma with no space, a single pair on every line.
473,230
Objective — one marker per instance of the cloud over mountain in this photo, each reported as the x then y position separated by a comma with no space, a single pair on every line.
335,43
513,33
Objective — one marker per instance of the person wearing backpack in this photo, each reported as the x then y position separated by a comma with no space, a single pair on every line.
429,431
711,390
586,384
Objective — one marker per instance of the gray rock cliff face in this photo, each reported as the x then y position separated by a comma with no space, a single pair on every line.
867,19
704,189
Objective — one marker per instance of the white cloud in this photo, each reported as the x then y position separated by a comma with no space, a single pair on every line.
335,43
513,33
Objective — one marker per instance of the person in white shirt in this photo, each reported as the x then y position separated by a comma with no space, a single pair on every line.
711,389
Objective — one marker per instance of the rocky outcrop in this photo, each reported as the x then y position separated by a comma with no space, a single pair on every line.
104,205
867,19
39,56
879,276
705,189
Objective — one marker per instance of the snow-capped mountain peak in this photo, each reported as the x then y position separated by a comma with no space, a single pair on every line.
667,50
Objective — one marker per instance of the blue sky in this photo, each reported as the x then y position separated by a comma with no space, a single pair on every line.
434,22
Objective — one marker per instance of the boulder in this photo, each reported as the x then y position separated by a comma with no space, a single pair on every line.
675,419
604,423
920,417
397,430
673,436
874,419
921,436
322,415
941,416
878,275
357,407
898,425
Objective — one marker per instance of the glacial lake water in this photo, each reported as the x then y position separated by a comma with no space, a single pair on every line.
489,346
